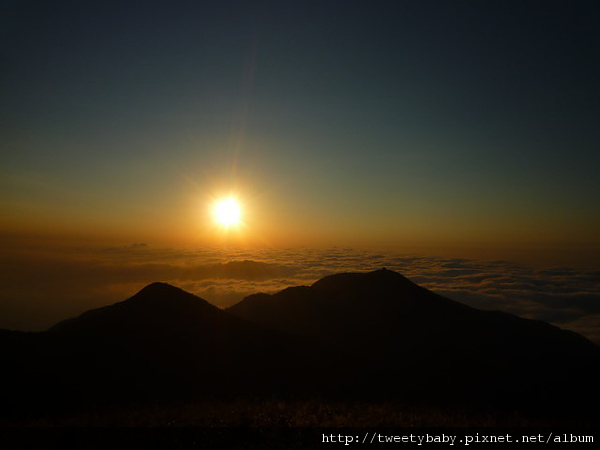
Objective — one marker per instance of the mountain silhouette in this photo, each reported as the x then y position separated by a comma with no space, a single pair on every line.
161,343
372,335
394,331
384,307
162,320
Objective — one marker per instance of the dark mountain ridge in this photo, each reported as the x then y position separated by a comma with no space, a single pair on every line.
396,331
384,304
370,335
162,343
156,305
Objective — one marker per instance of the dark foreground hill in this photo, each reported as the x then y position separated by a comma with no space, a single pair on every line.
351,337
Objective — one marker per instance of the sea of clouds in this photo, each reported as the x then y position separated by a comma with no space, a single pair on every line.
39,289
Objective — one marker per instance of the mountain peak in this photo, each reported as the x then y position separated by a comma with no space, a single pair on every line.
167,298
154,304
351,281
159,285
159,289
335,307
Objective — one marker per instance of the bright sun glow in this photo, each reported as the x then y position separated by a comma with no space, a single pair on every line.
227,212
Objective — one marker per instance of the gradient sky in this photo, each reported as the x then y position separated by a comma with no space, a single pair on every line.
424,123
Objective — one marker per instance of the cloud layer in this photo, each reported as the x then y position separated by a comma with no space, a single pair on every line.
37,290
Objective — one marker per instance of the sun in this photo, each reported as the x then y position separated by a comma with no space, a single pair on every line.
227,212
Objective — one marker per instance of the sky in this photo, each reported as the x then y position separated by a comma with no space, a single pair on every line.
440,129
381,123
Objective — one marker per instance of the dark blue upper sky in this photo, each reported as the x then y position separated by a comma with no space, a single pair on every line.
345,118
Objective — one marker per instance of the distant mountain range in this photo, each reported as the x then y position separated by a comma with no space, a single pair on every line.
353,335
